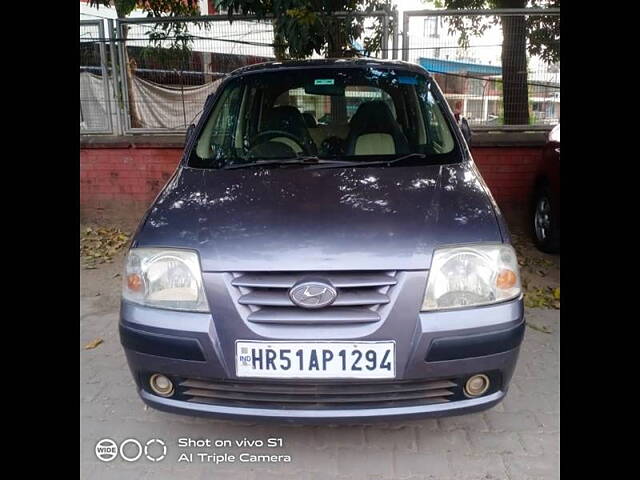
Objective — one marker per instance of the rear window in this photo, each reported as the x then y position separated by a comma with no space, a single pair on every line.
348,113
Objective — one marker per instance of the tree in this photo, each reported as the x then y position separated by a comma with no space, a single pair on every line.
170,30
153,8
302,27
539,35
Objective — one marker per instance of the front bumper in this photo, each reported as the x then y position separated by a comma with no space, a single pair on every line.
445,345
321,416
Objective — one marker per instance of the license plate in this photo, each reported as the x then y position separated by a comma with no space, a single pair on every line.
315,359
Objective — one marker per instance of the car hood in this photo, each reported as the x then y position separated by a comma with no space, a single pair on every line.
292,218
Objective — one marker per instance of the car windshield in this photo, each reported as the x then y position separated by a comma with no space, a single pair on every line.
348,114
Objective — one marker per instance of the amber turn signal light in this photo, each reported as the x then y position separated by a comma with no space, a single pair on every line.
134,282
506,279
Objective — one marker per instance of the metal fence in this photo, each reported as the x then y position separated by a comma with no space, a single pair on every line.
152,75
168,67
95,103
489,75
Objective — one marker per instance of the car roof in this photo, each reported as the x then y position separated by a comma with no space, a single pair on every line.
329,62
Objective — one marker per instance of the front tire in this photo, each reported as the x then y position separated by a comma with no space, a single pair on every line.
546,231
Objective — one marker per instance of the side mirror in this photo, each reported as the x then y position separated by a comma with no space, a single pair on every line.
466,130
189,134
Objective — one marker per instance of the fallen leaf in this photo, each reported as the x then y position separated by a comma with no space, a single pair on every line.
100,245
539,328
93,344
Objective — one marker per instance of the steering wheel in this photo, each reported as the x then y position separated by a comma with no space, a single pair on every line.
267,135
332,146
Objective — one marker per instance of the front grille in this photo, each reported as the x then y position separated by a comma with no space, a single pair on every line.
289,395
360,296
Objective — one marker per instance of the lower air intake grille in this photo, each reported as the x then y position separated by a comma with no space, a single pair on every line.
291,395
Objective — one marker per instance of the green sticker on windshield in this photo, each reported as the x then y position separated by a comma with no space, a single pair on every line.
324,81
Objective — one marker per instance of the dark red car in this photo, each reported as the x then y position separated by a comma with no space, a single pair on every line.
546,200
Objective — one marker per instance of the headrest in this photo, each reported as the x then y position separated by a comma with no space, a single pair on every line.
374,117
288,118
285,117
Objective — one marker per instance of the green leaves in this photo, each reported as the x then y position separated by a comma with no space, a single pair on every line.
302,27
542,32
175,32
100,245
153,8
123,7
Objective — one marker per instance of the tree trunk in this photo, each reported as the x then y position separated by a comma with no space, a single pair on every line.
336,38
133,112
336,43
130,68
122,11
279,48
514,66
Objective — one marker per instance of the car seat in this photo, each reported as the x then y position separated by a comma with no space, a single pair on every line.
374,131
288,118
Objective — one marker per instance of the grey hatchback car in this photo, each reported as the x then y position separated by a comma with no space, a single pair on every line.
348,270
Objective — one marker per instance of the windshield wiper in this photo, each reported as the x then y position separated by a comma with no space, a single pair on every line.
384,162
324,163
303,160
395,160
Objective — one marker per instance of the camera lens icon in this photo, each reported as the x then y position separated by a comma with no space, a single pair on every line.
131,450
106,450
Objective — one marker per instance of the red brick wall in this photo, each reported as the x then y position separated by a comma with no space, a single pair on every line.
114,179
509,171
128,179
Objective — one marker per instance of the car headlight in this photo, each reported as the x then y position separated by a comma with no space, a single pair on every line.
164,278
470,275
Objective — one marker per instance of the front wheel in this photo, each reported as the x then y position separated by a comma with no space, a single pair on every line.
546,232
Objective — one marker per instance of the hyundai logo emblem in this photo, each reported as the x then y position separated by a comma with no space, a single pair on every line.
313,294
